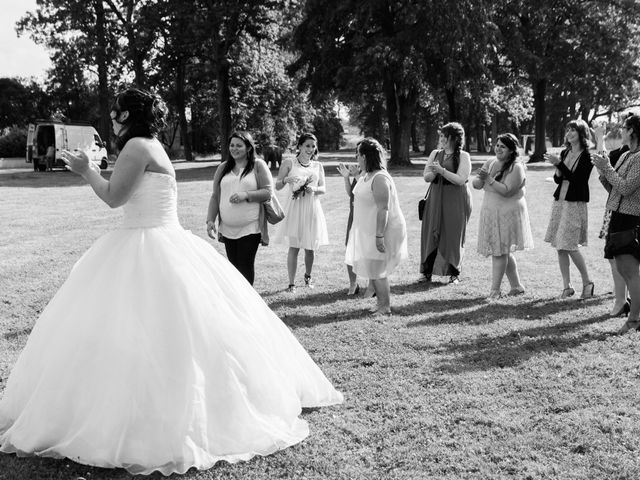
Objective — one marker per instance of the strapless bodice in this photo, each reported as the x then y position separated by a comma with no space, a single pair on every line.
153,203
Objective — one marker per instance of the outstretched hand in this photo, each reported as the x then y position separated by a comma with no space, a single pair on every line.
343,170
78,162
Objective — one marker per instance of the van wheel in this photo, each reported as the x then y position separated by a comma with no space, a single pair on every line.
104,164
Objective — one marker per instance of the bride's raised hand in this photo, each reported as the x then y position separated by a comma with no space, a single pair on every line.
78,161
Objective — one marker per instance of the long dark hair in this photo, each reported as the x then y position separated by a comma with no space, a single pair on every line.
147,114
373,153
454,130
584,133
303,138
511,142
251,154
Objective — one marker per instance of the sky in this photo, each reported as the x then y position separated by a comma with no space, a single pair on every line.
19,56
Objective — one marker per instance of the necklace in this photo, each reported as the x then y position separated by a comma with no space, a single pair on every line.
303,165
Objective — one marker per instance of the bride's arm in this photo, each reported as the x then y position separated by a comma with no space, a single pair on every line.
128,171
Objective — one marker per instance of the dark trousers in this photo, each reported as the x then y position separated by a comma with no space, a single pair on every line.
241,252
431,259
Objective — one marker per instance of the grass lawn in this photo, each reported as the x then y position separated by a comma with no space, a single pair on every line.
448,387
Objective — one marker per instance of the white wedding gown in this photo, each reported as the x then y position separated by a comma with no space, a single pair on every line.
156,354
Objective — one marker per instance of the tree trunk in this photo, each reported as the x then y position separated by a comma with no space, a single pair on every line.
224,99
399,114
415,145
103,82
430,133
539,93
451,102
180,105
481,138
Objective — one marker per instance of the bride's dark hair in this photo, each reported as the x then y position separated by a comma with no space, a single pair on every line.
147,114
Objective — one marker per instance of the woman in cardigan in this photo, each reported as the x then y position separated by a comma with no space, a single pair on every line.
623,183
240,185
567,229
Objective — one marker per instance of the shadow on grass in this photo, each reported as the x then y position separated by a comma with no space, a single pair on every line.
489,312
12,335
299,299
516,347
301,321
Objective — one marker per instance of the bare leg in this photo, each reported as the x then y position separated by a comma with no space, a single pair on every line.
512,273
498,267
628,267
563,262
578,259
353,280
309,256
619,288
292,264
383,294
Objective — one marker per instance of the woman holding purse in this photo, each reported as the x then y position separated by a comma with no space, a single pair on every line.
240,186
623,184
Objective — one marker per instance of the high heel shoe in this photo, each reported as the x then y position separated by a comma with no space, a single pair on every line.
624,310
587,290
568,292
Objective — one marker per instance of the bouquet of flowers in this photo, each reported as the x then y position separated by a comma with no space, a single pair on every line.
302,187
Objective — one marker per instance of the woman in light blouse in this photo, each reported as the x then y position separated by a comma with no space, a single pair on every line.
240,185
623,183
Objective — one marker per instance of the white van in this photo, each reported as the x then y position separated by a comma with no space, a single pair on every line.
63,136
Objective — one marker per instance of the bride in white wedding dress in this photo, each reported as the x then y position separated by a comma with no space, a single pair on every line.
183,366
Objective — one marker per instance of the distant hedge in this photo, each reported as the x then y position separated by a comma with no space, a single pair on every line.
13,142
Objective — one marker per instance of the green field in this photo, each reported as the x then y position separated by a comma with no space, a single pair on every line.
448,387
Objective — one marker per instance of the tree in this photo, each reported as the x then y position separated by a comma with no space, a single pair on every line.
556,41
397,48
21,102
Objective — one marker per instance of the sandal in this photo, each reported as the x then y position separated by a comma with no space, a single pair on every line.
356,291
516,291
587,290
568,292
307,281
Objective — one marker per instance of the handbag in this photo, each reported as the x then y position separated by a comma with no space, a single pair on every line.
618,243
273,210
421,203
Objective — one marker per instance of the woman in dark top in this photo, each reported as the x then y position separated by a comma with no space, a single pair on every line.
568,225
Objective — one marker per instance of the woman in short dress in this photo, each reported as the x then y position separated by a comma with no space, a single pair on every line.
504,218
378,237
568,225
304,225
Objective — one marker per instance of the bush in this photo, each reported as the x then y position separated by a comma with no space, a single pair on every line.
13,142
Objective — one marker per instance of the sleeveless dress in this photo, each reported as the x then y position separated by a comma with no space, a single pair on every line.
504,221
444,223
362,254
304,225
156,354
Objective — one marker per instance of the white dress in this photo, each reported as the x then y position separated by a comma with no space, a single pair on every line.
304,225
362,253
156,354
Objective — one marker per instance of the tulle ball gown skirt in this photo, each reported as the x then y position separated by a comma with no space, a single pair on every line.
156,354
